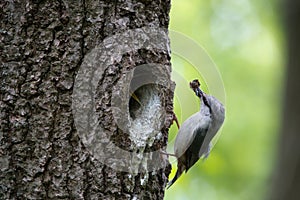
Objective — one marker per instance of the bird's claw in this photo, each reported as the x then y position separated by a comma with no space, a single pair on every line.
176,120
165,153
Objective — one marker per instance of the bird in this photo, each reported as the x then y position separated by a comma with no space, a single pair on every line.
194,137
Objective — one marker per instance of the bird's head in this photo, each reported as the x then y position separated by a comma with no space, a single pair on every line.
195,86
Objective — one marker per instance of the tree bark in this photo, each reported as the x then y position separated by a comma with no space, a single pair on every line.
49,146
287,175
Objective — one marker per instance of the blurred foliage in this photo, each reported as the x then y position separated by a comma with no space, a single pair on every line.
245,40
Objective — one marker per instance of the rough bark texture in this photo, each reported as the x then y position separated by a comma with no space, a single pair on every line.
42,46
287,175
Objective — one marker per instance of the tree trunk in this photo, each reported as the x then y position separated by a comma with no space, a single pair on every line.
70,126
286,183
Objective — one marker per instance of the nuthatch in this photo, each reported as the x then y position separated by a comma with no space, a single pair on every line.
193,140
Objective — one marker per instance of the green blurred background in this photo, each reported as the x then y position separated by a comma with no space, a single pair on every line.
245,41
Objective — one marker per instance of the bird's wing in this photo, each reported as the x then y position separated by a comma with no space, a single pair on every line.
217,121
188,131
192,155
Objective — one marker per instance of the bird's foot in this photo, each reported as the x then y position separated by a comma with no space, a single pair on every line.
169,154
176,120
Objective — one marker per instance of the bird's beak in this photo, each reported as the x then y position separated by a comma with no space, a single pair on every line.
195,86
198,92
133,95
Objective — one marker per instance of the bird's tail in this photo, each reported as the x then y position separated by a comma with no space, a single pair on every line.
179,171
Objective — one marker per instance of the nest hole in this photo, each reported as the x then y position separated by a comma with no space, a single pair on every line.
145,106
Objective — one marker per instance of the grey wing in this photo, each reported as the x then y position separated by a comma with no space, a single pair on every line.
188,132
192,155
218,119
